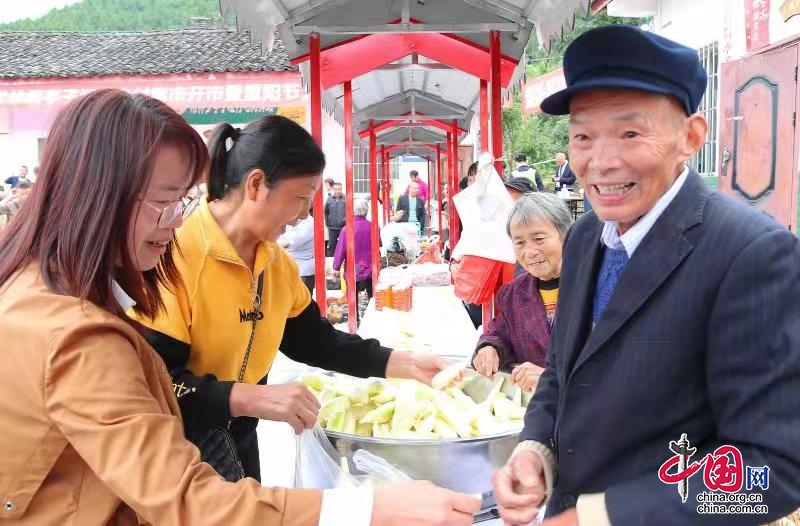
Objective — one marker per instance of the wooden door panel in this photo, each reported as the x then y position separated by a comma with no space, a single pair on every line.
758,132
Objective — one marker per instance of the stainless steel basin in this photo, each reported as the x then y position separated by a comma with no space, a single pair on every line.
464,464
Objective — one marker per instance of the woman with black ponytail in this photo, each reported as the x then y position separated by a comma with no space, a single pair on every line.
242,298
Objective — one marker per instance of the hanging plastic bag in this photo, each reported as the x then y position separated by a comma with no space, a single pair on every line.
315,466
475,278
483,209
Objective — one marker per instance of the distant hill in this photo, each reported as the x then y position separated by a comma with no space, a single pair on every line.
121,15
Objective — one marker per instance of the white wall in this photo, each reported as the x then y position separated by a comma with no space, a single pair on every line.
333,146
404,171
16,149
735,38
693,23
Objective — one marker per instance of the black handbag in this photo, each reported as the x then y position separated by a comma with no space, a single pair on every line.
218,449
217,445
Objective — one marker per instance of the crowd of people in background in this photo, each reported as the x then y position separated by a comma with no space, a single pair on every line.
142,312
412,206
14,193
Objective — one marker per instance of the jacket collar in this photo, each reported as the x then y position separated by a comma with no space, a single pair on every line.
659,255
217,244
125,301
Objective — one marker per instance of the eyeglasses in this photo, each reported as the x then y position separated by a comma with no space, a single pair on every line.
169,214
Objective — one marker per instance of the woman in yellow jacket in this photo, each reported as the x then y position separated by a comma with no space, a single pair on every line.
90,429
242,298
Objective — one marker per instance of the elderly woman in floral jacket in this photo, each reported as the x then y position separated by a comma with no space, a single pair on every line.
518,338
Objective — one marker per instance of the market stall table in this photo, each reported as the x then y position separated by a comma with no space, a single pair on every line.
436,323
278,443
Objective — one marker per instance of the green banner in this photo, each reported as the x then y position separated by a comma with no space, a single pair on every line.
231,115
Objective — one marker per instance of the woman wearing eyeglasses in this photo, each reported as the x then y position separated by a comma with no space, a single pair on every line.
517,339
242,298
91,433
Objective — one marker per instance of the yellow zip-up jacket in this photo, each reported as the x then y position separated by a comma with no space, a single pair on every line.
206,329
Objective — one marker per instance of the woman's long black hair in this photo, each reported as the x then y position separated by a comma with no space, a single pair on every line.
277,145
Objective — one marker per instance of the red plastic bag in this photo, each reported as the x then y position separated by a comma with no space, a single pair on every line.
476,278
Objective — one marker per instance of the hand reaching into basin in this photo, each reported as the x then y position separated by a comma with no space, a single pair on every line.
292,403
487,362
417,366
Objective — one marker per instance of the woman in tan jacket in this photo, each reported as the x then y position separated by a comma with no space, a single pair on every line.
91,433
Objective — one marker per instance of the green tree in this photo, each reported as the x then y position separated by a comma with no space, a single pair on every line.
120,15
541,136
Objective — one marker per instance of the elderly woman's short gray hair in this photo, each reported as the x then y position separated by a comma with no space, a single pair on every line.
540,206
360,207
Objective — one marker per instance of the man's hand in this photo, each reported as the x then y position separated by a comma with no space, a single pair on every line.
526,376
291,403
519,488
417,366
487,361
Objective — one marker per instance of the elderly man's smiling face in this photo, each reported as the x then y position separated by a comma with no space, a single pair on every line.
627,148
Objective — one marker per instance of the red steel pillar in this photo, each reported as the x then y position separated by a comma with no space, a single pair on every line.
350,232
428,217
319,213
373,193
439,189
484,120
387,191
455,232
497,104
452,185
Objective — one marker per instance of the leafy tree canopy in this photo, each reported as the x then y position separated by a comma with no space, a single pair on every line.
541,136
120,15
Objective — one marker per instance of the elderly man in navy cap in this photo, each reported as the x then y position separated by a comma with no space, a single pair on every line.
674,367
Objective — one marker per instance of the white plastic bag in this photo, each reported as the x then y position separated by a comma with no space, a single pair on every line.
483,209
377,468
315,466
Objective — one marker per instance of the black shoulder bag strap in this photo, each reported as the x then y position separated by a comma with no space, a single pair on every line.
217,445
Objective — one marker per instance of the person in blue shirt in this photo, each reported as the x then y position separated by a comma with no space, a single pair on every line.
14,180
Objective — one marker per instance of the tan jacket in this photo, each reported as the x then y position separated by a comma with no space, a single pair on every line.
91,432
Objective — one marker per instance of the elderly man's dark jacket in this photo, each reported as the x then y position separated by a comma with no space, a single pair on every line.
701,336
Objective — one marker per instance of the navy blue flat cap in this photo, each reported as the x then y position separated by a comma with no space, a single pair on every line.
625,57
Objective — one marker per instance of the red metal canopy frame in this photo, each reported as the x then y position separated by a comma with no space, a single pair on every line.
388,125
348,60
